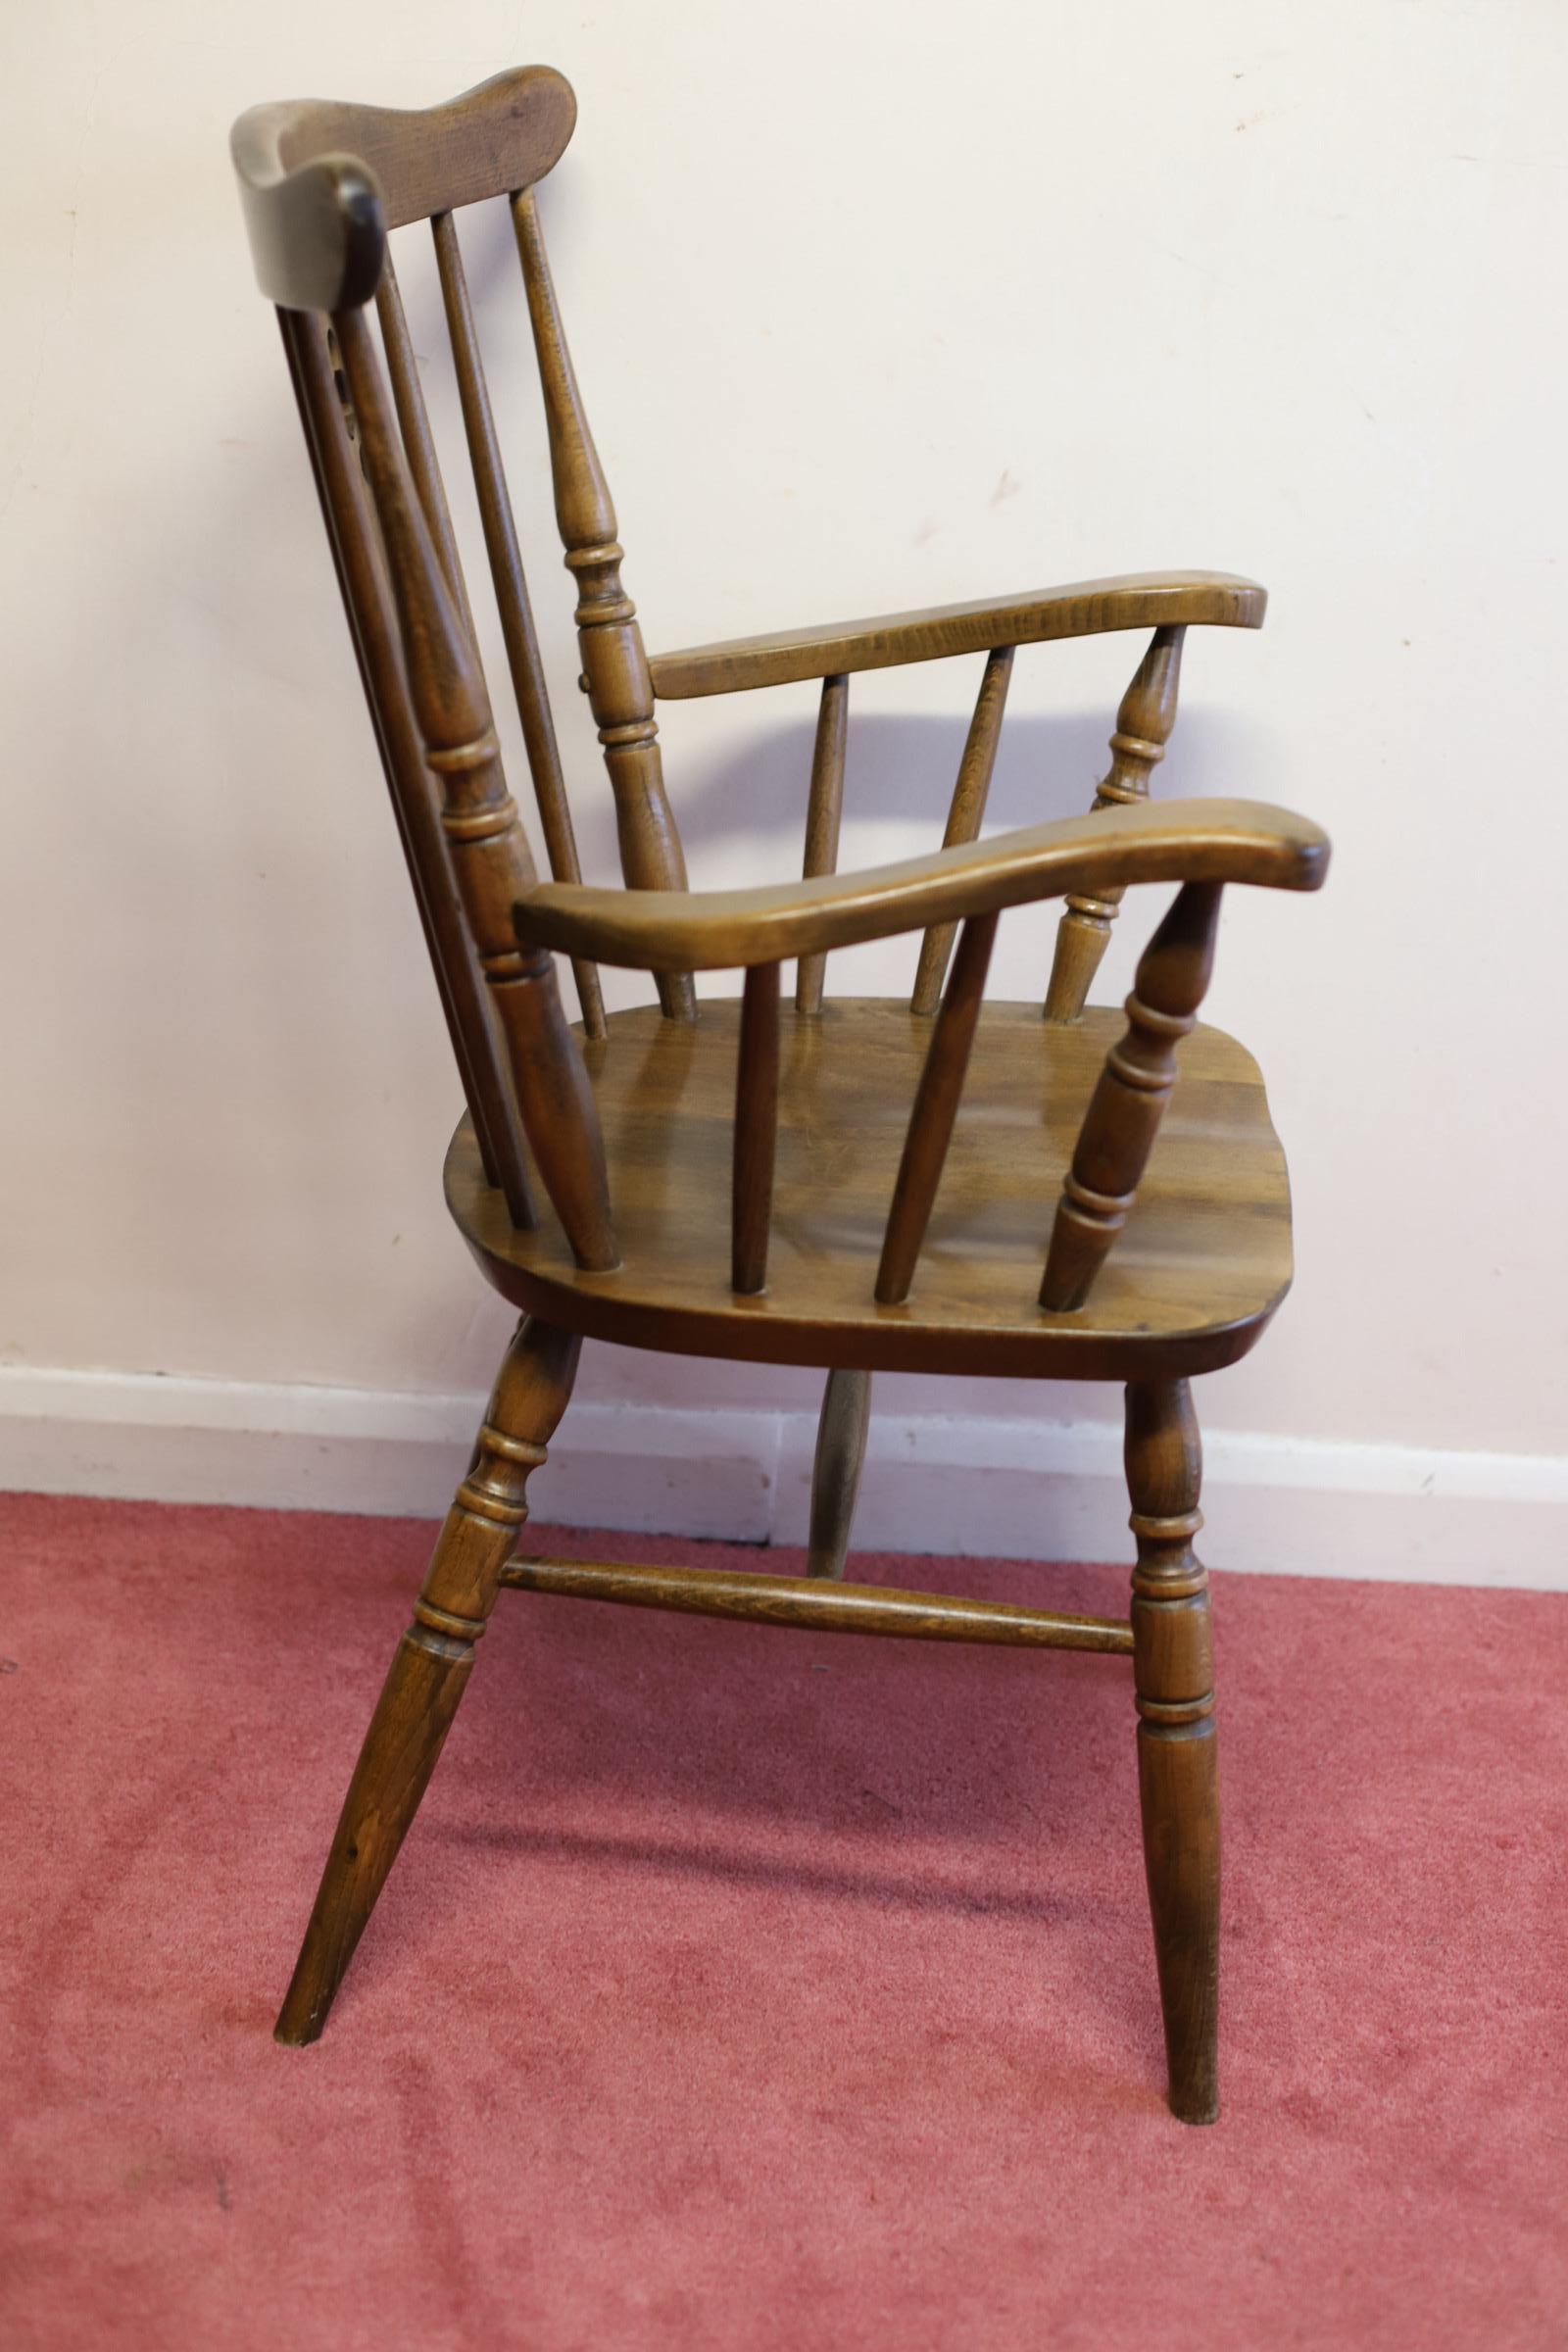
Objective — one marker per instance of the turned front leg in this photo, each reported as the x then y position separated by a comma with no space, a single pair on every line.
1173,1677
431,1665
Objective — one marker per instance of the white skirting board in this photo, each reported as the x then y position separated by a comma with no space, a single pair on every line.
1012,1489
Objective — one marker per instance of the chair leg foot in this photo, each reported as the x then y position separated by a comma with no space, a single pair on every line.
1177,1761
835,1470
431,1666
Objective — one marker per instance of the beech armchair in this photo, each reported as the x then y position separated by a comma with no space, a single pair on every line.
1000,1198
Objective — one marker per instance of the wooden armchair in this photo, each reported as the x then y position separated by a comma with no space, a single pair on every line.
857,1185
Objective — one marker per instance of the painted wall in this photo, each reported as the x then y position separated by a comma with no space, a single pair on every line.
874,306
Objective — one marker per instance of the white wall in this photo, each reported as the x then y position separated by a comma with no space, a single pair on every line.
874,306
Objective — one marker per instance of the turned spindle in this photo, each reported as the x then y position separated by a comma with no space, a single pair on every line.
1173,1681
512,601
490,856
1127,1105
1143,724
621,691
352,533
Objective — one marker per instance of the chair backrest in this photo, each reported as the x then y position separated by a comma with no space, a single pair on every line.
321,186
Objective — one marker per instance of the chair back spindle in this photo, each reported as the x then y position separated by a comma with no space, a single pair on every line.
419,443
373,628
511,594
1129,1101
823,813
489,854
621,691
967,812
1143,724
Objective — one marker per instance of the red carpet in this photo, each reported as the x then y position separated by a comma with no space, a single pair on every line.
743,1989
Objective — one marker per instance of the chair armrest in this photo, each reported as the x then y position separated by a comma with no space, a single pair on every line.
1139,600
668,930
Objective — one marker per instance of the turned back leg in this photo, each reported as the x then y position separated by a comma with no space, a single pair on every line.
1174,1680
432,1664
835,1470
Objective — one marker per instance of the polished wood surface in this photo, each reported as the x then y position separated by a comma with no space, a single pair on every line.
489,854
755,1132
1125,1110
1139,600
620,692
432,1663
1173,1678
1204,1259
823,810
814,1605
934,1110
842,1429
373,629
321,183
512,601
1143,724
1200,841
965,814
850,1184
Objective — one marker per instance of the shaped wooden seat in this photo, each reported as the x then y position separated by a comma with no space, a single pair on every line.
947,1185
1202,1264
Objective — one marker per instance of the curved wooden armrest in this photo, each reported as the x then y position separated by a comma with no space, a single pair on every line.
1138,600
321,184
659,930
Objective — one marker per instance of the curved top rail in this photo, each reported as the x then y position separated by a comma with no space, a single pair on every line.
1195,841
321,183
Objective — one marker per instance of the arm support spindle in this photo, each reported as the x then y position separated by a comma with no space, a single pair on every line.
1143,724
1127,1105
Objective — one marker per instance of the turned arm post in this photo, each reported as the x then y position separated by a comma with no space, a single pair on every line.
490,856
1128,1103
621,691
1143,724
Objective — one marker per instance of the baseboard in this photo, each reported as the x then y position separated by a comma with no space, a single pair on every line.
1012,1489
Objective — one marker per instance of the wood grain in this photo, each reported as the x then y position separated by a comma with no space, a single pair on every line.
811,1605
1087,607
934,1111
755,1132
1143,724
841,1434
824,809
1129,1103
511,594
1216,841
431,1665
321,183
964,813
1201,1266
1173,1677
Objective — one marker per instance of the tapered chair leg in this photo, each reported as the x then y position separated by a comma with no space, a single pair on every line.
431,1666
1173,1677
835,1470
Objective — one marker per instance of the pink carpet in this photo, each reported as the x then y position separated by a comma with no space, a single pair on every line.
742,1988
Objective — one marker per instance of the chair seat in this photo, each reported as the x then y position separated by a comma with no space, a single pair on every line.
1191,1283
